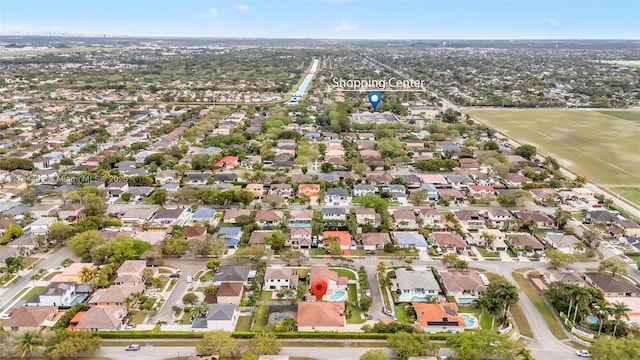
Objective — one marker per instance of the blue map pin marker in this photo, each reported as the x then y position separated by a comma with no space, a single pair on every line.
374,99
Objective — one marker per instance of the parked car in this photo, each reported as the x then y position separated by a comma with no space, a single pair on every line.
583,353
130,327
367,292
174,276
6,315
152,294
132,347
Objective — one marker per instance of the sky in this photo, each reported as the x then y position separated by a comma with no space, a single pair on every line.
334,19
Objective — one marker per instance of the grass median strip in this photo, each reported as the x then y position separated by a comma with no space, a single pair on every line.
521,321
554,326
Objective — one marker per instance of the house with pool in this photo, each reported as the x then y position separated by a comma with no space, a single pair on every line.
417,285
464,286
321,316
443,317
336,285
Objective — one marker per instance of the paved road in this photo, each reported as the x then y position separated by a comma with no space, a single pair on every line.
163,352
188,267
50,261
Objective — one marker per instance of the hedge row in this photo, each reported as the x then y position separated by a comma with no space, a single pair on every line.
247,335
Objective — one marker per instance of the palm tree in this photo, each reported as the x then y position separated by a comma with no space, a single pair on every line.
525,354
487,238
89,275
381,269
482,304
619,311
571,290
29,343
582,297
602,309
200,309
494,309
461,265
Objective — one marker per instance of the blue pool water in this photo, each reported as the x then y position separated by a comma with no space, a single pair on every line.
419,298
592,319
468,320
279,318
466,300
338,295
78,299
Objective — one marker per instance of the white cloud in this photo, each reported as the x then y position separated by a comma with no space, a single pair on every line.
346,27
242,7
211,13
553,22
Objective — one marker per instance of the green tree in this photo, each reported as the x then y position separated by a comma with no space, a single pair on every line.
418,197
213,264
265,344
374,355
126,197
200,309
612,266
276,241
201,162
174,245
559,259
461,265
610,348
12,231
287,324
480,343
326,167
29,343
189,298
89,275
159,197
69,344
526,151
405,345
217,343
449,259
59,232
28,196
618,311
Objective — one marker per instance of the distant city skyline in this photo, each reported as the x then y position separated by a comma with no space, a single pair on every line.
327,19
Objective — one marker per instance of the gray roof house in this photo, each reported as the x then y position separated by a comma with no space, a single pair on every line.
416,285
232,274
219,317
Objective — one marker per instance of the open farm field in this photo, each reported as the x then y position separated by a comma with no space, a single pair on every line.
601,145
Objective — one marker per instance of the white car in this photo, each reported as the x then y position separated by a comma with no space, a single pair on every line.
152,294
583,353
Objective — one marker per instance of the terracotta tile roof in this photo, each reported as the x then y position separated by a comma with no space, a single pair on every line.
443,314
323,272
30,316
229,289
320,314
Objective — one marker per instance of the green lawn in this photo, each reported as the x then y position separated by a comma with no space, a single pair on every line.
344,272
317,252
266,295
244,323
353,295
51,275
485,323
139,317
554,325
385,297
33,292
401,314
571,135
262,313
207,276
521,321
631,194
486,253
625,115
355,317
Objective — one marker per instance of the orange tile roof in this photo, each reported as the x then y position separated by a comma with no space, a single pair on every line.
320,314
443,314
344,237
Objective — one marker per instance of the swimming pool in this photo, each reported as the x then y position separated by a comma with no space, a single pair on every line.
468,320
465,300
338,295
592,319
279,318
78,299
419,299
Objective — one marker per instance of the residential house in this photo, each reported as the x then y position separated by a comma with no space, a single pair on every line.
41,226
375,241
435,318
524,241
170,217
459,181
365,216
197,178
115,189
498,217
71,212
103,318
410,239
284,190
320,316
405,219
26,242
55,294
203,215
256,189
219,317
115,295
334,214
231,216
496,237
337,197
300,218
224,178
279,278
45,209
258,237
5,253
566,243
362,190
629,227
166,177
469,218
232,235
227,162
600,217
266,218
229,293
322,272
412,285
432,218
131,273
138,215
30,318
232,274
311,191
431,192
541,220
72,273
190,232
612,286
342,237
447,240
553,275
482,191
462,284
299,237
